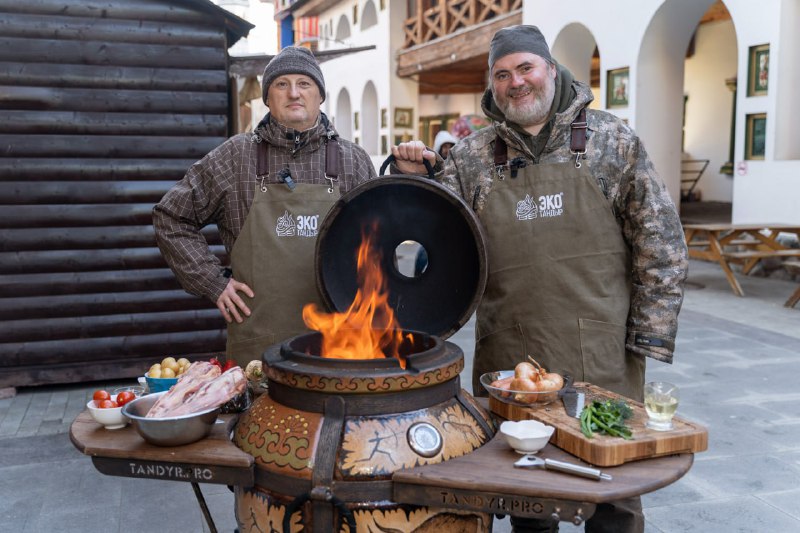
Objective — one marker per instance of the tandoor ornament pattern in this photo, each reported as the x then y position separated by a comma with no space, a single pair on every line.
278,436
365,384
257,512
420,520
378,446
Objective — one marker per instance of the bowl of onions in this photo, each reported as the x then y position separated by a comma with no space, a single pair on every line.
528,385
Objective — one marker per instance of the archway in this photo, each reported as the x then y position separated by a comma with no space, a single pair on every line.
342,29
657,86
709,89
369,17
344,116
370,121
575,48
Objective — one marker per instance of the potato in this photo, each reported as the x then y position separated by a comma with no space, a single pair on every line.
156,366
183,362
154,372
167,373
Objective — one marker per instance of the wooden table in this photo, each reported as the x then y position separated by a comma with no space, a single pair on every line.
487,481
484,480
753,242
122,452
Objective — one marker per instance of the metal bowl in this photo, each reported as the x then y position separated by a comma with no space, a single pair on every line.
169,431
520,398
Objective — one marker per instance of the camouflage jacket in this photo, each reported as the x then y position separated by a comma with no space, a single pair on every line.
636,195
219,189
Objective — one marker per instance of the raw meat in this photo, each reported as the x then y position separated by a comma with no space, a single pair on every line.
188,383
212,391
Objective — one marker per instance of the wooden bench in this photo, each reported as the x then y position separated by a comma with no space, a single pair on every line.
793,266
738,242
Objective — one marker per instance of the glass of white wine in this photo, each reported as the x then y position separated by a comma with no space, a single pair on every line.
660,401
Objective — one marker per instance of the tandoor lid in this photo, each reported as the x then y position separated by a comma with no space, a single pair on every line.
438,299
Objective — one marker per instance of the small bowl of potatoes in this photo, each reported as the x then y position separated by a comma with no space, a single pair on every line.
164,375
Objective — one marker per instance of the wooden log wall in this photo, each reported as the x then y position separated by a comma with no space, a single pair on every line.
103,106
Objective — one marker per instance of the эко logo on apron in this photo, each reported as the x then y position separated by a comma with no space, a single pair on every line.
297,226
550,205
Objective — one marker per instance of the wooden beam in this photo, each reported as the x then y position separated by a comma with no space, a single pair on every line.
460,46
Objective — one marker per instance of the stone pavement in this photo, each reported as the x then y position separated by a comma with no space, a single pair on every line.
737,362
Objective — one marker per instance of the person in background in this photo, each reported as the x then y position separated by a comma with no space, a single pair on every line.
267,192
587,257
443,142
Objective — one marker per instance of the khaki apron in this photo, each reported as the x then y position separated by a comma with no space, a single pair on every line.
559,280
274,256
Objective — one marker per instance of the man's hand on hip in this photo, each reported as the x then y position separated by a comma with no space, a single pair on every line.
231,305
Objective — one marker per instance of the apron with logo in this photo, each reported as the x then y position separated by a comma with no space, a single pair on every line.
559,278
274,256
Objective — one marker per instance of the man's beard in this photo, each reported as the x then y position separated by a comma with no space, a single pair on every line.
534,112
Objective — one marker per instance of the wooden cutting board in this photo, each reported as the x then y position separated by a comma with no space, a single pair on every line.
603,450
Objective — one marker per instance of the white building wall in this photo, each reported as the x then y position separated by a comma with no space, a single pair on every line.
648,36
768,190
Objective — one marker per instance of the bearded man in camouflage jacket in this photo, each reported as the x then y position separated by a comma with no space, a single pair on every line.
267,192
587,257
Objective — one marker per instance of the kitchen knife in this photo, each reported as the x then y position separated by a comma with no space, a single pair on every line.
572,399
573,402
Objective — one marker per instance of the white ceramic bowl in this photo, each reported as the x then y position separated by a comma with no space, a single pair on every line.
110,418
526,436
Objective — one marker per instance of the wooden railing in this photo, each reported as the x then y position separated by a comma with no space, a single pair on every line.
449,16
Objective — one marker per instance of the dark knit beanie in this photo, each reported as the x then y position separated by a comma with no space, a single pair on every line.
522,38
292,60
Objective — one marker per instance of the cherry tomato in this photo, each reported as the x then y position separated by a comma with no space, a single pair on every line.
105,404
101,395
125,397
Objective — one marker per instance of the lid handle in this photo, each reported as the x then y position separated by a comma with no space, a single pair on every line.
392,159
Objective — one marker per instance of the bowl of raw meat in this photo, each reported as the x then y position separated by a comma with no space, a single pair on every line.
187,411
169,430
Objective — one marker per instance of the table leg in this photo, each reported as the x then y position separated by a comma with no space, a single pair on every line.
793,299
204,507
717,253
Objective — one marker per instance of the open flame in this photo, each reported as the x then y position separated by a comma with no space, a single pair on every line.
368,329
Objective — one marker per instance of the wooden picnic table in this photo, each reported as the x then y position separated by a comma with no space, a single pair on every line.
738,243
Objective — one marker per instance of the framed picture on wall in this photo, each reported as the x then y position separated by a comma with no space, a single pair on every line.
758,70
384,145
617,88
755,138
403,117
384,119
355,120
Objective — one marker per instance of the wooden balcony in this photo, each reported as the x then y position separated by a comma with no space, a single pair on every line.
447,45
449,16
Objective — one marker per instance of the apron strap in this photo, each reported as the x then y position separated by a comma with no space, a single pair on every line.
332,159
262,169
577,141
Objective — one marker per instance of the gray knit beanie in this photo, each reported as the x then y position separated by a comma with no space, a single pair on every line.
292,60
522,38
